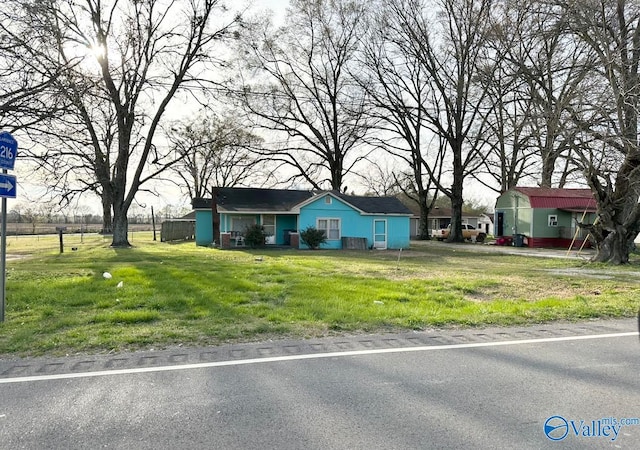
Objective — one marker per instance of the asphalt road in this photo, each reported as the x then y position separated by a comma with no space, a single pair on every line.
458,389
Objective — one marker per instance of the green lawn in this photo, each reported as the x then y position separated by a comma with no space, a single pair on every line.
180,293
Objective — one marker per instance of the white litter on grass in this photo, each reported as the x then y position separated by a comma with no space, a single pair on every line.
378,302
107,275
119,285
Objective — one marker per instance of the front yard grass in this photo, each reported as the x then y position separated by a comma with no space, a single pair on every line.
163,294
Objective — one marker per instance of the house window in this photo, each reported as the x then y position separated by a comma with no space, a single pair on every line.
327,200
269,224
241,223
553,220
331,228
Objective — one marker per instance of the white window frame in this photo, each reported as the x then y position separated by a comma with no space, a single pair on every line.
269,229
552,220
380,244
327,230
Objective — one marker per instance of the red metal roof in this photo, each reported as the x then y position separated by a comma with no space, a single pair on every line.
567,199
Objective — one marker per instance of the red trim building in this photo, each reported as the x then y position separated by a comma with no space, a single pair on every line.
545,217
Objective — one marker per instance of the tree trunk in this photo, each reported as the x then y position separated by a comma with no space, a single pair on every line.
457,200
424,233
120,228
107,219
455,235
548,166
120,221
215,217
614,249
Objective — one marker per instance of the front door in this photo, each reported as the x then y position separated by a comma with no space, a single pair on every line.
380,234
500,223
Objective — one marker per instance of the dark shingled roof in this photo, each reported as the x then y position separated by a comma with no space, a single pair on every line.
283,200
254,199
201,203
375,205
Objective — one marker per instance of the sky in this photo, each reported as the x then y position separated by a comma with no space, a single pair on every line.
277,6
169,194
30,192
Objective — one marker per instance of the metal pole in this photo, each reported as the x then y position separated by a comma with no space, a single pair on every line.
153,221
3,256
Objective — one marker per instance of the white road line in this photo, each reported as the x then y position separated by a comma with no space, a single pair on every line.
273,359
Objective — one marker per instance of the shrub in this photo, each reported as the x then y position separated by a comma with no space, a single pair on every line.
313,237
254,236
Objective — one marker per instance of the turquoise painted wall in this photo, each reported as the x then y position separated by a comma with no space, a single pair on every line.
353,224
204,227
285,222
398,231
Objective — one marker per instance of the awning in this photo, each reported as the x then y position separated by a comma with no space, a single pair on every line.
589,209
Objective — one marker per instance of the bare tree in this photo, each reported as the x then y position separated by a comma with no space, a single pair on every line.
531,72
216,151
449,49
301,88
399,88
553,66
382,178
609,150
26,77
510,156
136,56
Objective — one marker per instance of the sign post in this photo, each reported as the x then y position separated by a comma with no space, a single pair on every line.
8,152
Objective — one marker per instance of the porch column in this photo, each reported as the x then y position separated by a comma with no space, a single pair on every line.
225,240
294,239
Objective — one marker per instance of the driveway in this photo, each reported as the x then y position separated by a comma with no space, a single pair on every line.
584,254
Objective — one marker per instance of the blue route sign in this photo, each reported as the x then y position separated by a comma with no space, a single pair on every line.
8,150
8,185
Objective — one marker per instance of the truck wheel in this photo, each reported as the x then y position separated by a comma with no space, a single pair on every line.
481,237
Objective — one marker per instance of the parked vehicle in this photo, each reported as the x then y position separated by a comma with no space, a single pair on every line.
469,232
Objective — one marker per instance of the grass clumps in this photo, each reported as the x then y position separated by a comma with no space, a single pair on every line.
161,294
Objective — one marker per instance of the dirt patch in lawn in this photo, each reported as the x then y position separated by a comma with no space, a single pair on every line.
595,274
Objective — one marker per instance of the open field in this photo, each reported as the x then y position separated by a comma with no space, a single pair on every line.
173,294
24,228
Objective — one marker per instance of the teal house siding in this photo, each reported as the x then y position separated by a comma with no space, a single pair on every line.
284,225
398,232
351,223
392,230
204,229
380,222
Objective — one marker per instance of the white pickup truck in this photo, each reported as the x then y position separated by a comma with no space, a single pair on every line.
469,232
